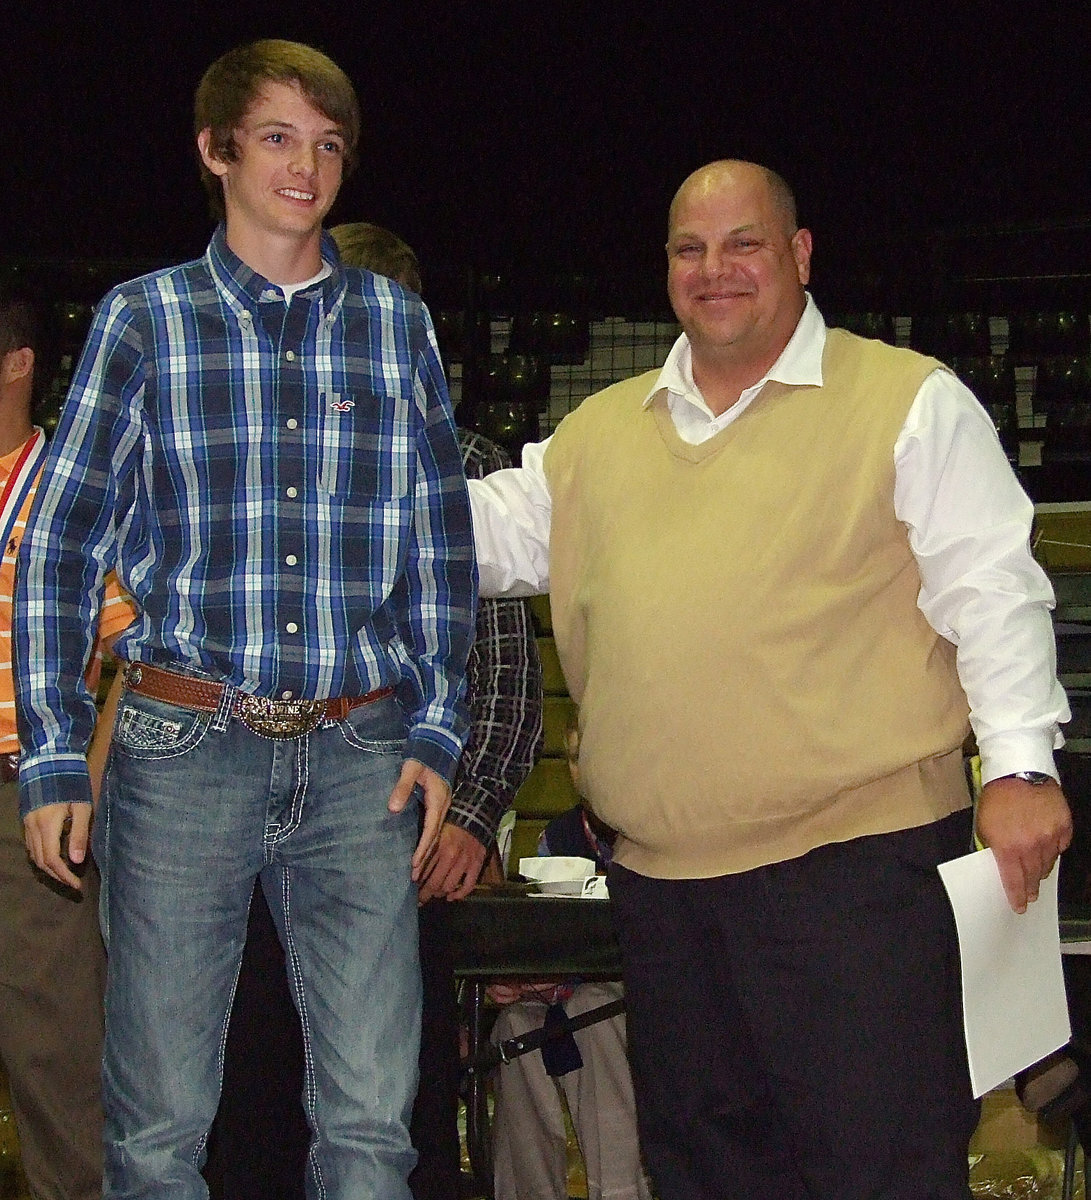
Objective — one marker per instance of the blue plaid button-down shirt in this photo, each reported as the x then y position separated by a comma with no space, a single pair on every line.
280,489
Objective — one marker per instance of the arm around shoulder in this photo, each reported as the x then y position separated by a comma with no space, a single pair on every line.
512,512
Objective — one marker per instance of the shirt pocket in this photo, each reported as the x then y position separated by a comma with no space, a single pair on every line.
363,448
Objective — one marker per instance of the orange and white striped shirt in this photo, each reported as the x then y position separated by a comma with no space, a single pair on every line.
118,610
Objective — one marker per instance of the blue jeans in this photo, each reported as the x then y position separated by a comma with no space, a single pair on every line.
194,808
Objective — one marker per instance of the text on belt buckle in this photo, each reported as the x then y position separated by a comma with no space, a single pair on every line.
279,718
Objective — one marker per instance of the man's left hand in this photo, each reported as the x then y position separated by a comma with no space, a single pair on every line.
1026,826
437,799
452,871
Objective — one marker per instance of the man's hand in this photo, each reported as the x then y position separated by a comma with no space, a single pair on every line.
437,799
512,990
1026,826
452,871
43,830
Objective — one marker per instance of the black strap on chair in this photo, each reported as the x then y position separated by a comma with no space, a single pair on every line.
490,1055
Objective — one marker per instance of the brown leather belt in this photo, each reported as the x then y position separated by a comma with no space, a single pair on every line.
269,718
9,767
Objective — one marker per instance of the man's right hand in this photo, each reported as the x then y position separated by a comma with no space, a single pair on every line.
452,870
43,830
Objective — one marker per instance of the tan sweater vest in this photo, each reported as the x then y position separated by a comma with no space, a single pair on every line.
738,622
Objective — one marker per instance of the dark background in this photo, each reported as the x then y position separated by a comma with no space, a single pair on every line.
553,141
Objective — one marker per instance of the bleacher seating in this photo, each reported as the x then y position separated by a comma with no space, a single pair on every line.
991,378
549,790
1072,622
1062,394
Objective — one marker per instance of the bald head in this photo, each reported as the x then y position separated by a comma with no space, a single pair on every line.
737,266
728,172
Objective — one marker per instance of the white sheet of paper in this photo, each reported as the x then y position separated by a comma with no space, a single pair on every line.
1012,985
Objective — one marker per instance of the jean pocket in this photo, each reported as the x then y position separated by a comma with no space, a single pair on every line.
150,729
378,728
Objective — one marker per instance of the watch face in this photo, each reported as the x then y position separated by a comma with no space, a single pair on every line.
1035,777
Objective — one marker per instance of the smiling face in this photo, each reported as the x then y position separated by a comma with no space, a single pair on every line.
736,268
284,177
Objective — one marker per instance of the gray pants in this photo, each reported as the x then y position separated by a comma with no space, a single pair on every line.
529,1145
52,968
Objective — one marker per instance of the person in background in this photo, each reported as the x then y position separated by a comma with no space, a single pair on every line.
52,961
788,572
262,445
260,1133
530,1147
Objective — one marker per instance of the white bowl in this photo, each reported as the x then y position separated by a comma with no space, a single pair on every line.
556,867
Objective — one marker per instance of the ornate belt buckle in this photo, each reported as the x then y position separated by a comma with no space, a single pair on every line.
279,719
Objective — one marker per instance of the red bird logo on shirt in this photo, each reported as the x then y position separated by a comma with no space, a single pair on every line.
342,405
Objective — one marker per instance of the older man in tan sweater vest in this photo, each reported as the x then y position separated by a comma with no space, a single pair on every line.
789,572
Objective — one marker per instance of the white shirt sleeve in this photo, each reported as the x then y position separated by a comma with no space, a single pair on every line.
969,530
512,511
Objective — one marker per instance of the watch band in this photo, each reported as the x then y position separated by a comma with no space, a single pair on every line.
1035,778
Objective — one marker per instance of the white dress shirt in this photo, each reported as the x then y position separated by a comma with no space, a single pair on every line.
967,520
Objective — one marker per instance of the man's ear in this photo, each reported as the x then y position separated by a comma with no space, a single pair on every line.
204,145
17,364
801,252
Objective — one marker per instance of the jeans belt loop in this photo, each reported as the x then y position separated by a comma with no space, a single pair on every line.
222,716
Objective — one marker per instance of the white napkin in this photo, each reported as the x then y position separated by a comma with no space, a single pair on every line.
554,867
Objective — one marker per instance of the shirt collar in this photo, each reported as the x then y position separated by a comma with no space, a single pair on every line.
245,290
12,457
799,364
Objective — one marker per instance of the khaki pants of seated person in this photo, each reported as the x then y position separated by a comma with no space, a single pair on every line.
52,968
529,1144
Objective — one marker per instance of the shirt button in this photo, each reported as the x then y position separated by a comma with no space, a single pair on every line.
244,318
291,560
290,356
292,493
292,423
286,694
292,627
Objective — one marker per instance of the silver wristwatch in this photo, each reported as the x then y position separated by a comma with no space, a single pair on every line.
1037,778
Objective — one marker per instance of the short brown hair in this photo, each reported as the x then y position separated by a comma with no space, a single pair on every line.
377,249
22,326
229,88
19,326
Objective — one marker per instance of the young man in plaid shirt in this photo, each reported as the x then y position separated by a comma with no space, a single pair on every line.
261,443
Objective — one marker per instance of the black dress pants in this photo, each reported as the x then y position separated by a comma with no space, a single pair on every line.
796,1030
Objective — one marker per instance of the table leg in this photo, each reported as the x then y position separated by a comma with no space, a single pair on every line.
478,1141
